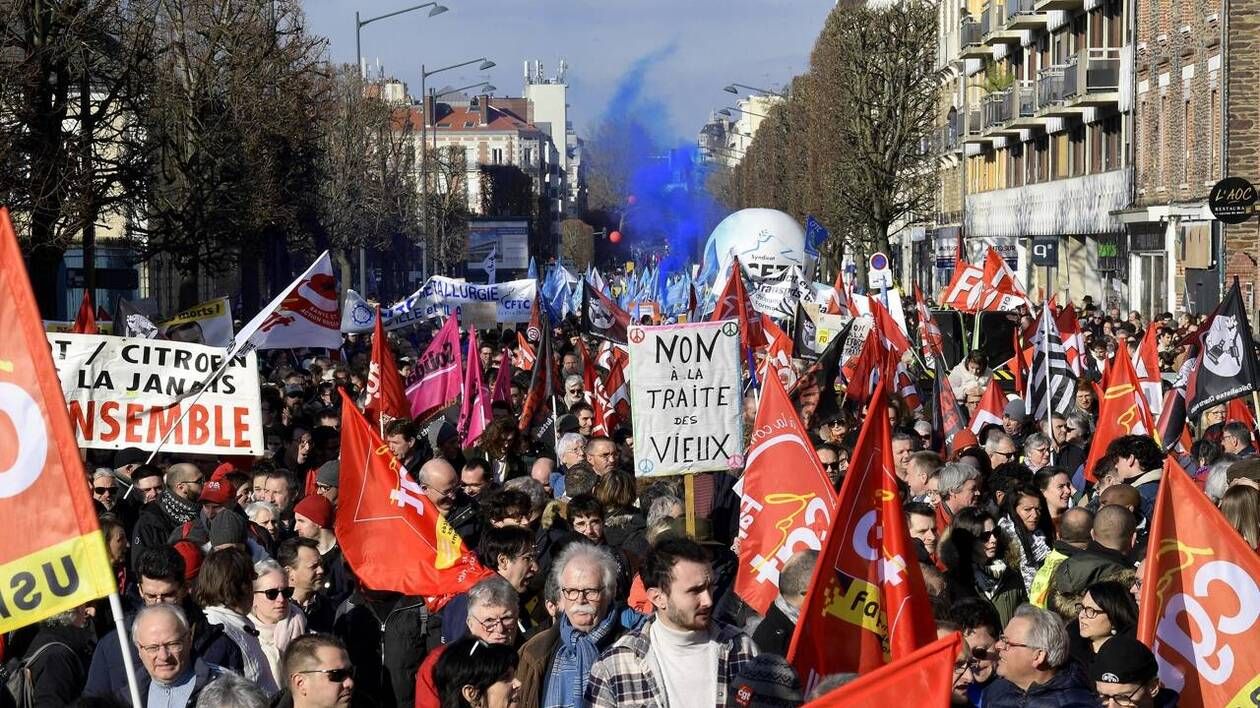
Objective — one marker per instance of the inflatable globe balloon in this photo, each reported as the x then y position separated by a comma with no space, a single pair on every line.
767,242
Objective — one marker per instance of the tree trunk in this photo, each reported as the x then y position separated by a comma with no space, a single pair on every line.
43,265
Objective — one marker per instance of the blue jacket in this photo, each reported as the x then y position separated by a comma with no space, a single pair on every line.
1067,689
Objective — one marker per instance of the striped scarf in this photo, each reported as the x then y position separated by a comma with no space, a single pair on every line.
575,656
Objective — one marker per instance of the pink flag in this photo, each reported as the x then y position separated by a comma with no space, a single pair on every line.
503,379
440,376
474,410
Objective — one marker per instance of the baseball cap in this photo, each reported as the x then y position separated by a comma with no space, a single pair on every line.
129,456
1015,409
217,492
767,680
1123,659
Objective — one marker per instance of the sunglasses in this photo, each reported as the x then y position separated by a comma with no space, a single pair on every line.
334,675
273,593
105,490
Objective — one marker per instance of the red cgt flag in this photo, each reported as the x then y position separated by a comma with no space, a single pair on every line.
786,499
866,604
927,674
385,394
52,552
1121,409
734,303
85,321
991,409
393,537
1200,599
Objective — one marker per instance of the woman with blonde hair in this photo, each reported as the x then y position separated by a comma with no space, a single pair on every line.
1241,507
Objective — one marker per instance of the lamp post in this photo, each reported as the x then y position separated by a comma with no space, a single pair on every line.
727,112
734,88
482,85
359,24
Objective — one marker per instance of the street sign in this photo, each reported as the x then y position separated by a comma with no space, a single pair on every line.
879,276
1232,200
106,278
1045,251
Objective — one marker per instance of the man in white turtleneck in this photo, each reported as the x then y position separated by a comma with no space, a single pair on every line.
679,657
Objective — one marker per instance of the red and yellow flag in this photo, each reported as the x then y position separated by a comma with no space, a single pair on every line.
1200,599
52,554
1121,409
926,674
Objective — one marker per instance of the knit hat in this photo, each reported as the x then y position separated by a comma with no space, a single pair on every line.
129,456
440,431
192,556
221,472
317,508
767,680
329,473
227,528
568,423
217,492
1244,469
962,440
1123,659
1016,410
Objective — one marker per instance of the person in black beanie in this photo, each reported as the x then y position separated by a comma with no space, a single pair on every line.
1125,673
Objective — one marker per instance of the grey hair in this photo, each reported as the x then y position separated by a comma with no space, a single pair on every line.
252,509
572,378
268,565
493,592
954,475
995,439
103,472
551,589
1217,481
1046,632
797,572
231,690
569,441
660,509
1081,420
1036,440
598,555
166,609
537,495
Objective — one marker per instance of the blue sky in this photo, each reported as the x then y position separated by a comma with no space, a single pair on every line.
697,47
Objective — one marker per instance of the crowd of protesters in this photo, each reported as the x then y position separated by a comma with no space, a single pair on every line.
236,592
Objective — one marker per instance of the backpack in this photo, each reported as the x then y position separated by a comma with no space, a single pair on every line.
17,677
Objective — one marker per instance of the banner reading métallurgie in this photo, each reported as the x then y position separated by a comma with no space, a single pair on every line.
686,398
52,554
128,392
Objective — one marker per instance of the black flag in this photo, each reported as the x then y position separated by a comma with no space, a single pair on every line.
538,408
825,371
1225,365
805,333
601,317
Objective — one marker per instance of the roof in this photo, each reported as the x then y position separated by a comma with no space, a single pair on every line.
499,119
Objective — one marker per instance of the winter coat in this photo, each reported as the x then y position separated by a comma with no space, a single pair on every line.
60,671
774,633
387,636
1069,688
245,635
538,654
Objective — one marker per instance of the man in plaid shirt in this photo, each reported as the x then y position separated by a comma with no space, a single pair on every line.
679,657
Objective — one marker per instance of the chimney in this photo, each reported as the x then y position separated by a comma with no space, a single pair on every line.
483,109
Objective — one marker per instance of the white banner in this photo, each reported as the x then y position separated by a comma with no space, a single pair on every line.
478,305
128,392
686,398
778,297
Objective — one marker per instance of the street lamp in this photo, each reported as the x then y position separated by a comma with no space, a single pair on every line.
727,112
483,85
734,88
359,24
424,77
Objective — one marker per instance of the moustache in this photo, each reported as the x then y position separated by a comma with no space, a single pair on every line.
587,609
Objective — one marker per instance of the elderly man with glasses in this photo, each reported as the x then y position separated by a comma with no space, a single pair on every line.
1034,667
172,676
493,607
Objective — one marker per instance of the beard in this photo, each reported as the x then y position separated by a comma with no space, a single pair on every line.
692,621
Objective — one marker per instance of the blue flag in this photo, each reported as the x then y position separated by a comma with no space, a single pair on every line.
815,235
533,269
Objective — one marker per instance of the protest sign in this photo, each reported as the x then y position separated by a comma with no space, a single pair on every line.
828,326
205,323
778,297
127,392
686,398
478,305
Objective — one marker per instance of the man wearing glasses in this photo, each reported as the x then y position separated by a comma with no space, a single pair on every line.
105,488
178,504
1033,664
172,677
318,672
493,611
555,664
1126,675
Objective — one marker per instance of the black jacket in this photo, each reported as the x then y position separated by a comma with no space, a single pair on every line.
153,528
1067,689
387,636
58,674
107,674
774,634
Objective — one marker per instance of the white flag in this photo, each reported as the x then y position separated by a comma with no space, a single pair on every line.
305,314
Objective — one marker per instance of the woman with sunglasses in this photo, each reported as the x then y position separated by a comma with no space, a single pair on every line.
276,617
979,562
1106,610
474,674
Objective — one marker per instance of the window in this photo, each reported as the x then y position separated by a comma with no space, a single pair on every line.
529,156
1061,154
1015,156
496,156
1112,138
1155,148
1076,143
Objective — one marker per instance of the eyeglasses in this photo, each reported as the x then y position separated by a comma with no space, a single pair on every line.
1124,700
836,423
334,675
198,480
1004,453
443,493
492,623
583,594
273,593
1006,642
172,646
1087,612
986,535
169,598
105,490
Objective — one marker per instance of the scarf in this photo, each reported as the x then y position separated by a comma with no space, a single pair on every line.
792,613
178,508
575,656
989,577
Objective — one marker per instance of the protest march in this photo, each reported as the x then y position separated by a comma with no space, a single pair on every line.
728,484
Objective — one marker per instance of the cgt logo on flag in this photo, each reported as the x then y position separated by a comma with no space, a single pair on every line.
314,299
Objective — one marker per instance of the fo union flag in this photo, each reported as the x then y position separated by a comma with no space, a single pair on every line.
787,501
55,558
1200,599
866,604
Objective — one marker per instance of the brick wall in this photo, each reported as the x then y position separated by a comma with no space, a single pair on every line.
1243,104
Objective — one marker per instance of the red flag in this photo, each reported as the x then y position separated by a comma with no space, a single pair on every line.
590,377
533,330
474,407
1146,364
969,292
927,674
1073,338
991,409
999,276
866,604
615,392
85,321
861,371
1121,410
787,501
735,304
392,535
889,331
503,379
440,376
1200,598
778,354
949,417
385,395
1239,409
525,356
929,333
52,550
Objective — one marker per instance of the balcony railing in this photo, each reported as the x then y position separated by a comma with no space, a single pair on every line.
1097,70
993,17
994,108
1050,86
971,33
1018,8
974,125
1021,100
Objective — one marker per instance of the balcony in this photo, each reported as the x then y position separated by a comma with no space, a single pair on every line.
1021,106
993,25
1050,86
1065,5
1093,77
994,110
945,139
972,43
1023,14
975,127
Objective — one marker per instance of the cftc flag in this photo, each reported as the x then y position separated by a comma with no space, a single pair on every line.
52,554
1225,366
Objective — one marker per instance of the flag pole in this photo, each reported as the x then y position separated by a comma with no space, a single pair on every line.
1045,353
115,608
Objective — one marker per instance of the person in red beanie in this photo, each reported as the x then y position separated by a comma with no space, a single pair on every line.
313,518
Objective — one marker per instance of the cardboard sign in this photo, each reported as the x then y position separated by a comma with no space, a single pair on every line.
207,323
686,398
128,392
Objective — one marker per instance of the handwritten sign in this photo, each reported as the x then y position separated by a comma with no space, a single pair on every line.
686,398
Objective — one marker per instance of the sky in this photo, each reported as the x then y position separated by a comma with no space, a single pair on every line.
687,50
